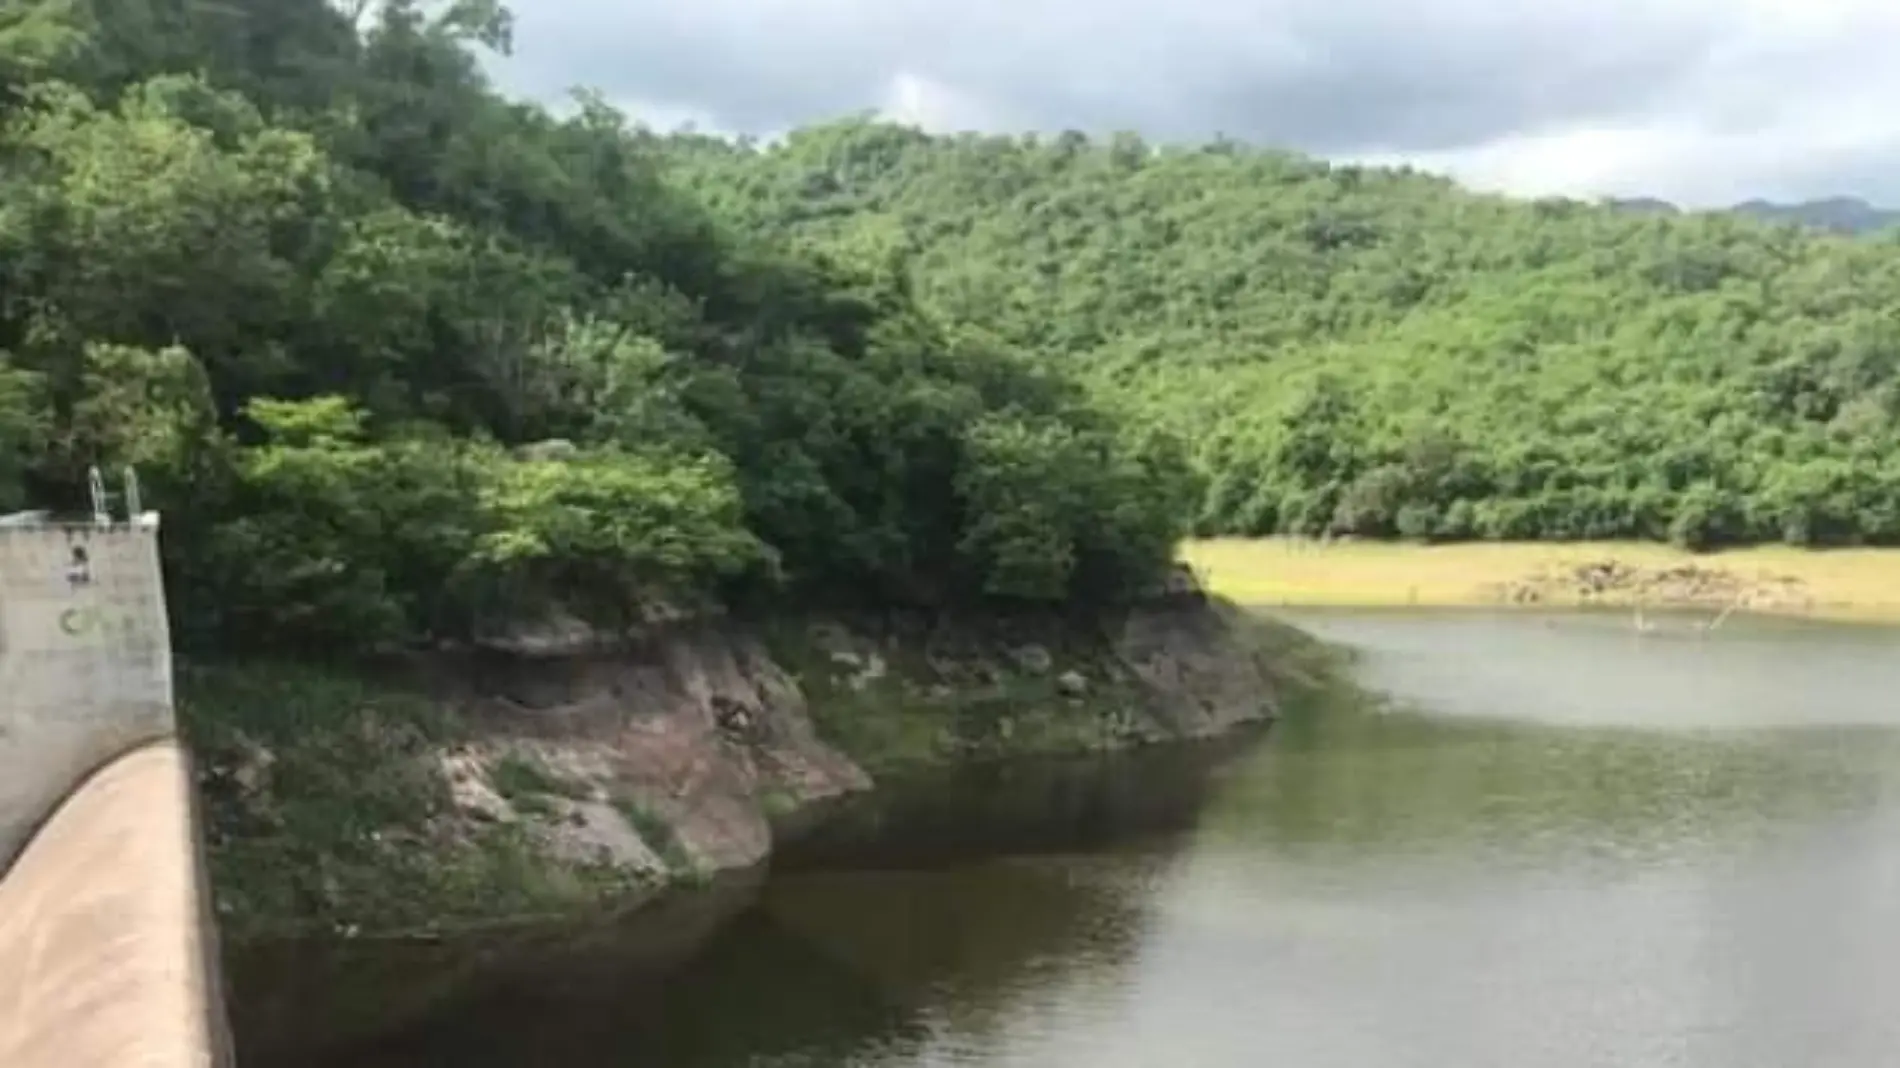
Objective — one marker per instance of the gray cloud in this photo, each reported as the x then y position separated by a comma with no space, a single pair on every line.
1685,98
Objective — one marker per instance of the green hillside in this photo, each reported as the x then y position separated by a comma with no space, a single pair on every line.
1379,352
401,359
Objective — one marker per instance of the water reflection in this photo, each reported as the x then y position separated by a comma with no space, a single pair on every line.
1591,879
826,970
301,1002
933,927
1031,806
1397,785
1591,669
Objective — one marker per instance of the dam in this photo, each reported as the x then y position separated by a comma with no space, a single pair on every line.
106,933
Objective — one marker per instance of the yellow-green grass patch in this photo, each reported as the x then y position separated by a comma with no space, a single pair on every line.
1860,584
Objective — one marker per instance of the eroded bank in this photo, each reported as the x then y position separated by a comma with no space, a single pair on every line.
544,777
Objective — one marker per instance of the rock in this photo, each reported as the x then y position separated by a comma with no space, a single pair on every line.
470,792
732,717
253,767
1072,684
557,634
874,669
1033,658
592,832
1179,583
830,637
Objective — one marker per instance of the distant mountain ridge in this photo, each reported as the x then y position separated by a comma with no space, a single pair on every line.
1845,215
1850,215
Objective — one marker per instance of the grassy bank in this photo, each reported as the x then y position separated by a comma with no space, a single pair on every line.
1850,584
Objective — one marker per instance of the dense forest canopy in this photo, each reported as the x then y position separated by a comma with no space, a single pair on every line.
400,359
1378,352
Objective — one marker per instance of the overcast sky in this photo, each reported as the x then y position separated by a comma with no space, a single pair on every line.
1700,101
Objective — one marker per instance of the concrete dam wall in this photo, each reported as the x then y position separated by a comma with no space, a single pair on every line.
107,953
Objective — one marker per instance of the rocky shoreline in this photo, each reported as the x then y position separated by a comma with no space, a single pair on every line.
536,779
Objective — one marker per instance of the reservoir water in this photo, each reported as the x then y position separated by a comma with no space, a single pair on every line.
1561,843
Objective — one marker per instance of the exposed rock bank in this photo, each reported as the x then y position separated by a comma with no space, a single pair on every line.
547,775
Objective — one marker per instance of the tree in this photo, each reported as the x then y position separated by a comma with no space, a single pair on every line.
1308,327
403,359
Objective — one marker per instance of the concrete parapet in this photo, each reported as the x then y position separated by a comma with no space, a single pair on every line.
107,951
85,661
103,958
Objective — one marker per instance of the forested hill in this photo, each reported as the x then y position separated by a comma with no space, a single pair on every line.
401,360
1380,352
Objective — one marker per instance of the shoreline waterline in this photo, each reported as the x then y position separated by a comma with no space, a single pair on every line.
1844,585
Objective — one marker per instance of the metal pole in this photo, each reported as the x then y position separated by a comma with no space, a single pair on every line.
97,484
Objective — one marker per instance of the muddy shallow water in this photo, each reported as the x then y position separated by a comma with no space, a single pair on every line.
1566,844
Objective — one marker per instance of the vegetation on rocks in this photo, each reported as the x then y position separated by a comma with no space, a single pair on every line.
326,808
907,691
342,804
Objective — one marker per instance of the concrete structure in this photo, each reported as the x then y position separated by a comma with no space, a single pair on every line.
107,956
